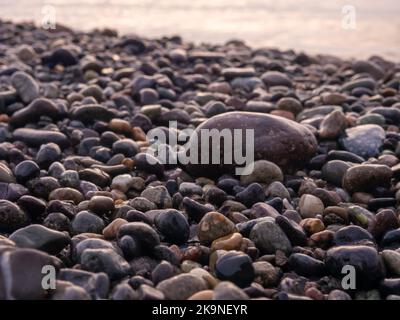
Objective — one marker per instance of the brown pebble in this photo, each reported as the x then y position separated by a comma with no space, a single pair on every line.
110,232
202,295
312,225
230,242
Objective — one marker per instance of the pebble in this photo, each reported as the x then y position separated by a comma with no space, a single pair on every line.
92,112
361,66
338,295
231,73
85,221
229,242
276,78
334,98
36,138
190,188
277,189
159,196
101,205
236,267
364,259
263,172
334,170
386,220
32,113
153,166
122,182
123,291
305,265
312,225
292,230
310,206
57,221
213,226
333,125
143,235
107,261
202,295
390,286
366,177
364,140
26,170
268,237
392,261
351,235
111,231
146,292
253,193
66,194
62,56
26,86
11,216
6,174
173,226
36,236
47,154
21,273
127,147
290,104
292,144
266,274
95,284
228,291
181,287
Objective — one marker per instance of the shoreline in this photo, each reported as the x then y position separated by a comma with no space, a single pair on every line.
332,51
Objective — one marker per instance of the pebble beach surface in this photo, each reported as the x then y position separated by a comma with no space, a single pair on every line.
77,192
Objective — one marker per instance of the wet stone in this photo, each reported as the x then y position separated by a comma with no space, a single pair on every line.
173,226
213,226
365,140
365,260
26,86
268,237
235,267
181,287
105,260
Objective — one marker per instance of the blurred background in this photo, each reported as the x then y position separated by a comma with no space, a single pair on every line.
309,26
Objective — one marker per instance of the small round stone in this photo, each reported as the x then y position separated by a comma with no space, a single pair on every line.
229,242
310,206
107,261
263,172
213,226
111,231
11,216
235,267
101,205
173,226
305,265
159,196
85,221
39,237
142,233
364,259
366,177
226,290
26,170
125,146
181,287
268,237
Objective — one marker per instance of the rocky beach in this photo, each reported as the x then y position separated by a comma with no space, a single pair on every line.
80,196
